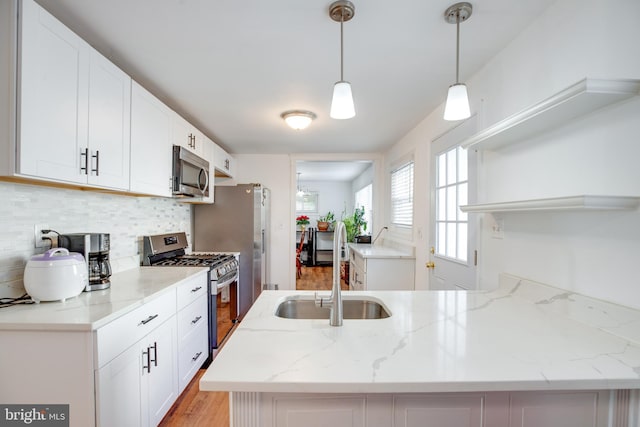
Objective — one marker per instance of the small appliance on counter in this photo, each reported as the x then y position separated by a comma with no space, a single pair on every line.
95,249
55,275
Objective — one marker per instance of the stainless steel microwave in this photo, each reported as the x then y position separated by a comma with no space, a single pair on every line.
190,174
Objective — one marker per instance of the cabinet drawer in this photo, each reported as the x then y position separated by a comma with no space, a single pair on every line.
192,354
191,289
191,317
117,336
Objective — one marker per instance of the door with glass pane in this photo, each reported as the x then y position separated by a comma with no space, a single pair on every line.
453,257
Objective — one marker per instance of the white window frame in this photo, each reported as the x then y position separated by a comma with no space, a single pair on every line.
313,201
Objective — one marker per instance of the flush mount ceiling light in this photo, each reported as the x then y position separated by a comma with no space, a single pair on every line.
457,106
298,119
342,102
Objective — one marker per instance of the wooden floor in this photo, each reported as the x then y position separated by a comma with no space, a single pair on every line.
195,408
317,279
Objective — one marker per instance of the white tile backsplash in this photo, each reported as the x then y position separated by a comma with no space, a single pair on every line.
126,218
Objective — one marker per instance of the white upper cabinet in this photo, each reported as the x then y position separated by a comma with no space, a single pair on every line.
224,163
109,124
53,98
151,148
187,136
73,107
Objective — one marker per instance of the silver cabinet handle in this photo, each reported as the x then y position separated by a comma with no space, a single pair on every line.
147,320
196,289
155,354
196,320
84,169
148,366
97,157
198,354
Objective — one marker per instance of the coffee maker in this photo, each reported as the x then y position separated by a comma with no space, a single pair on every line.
95,249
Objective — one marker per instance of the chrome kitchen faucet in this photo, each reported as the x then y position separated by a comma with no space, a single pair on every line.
334,302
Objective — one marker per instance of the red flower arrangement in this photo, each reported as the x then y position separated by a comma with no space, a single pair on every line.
302,220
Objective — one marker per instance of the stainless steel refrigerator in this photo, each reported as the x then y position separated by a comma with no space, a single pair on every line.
237,222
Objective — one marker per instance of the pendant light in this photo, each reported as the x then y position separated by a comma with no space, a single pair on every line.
300,191
457,106
342,102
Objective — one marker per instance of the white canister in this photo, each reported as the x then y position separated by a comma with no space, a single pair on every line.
55,275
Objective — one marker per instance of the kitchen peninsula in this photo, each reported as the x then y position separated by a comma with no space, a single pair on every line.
523,354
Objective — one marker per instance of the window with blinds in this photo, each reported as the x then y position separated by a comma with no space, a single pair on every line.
364,198
402,195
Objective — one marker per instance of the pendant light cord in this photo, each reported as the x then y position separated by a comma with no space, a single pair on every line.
458,47
341,46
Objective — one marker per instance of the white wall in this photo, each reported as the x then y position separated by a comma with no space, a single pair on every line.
333,196
591,253
127,219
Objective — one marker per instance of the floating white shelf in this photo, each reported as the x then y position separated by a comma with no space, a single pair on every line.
579,99
582,202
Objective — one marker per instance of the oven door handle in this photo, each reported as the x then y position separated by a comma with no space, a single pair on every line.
226,281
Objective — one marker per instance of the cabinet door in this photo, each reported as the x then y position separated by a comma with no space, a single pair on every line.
109,124
53,97
223,162
151,153
559,409
181,133
119,391
316,411
392,274
198,142
162,380
357,277
459,410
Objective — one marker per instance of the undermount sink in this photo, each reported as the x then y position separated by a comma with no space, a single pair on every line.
299,308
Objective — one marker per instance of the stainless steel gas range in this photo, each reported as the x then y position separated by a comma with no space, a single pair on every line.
169,250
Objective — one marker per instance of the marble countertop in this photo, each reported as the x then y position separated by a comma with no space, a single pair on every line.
91,310
522,336
366,250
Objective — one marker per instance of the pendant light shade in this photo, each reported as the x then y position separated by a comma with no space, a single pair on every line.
342,106
342,102
457,106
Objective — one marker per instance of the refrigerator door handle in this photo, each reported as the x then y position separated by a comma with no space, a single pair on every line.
263,240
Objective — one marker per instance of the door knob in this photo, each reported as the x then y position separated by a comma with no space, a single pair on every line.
430,264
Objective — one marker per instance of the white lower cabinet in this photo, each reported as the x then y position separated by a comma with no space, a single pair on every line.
193,339
477,409
377,274
138,387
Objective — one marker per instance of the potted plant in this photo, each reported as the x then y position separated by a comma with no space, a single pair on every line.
355,224
302,221
324,222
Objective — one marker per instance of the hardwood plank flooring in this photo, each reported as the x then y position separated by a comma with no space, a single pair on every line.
195,408
317,278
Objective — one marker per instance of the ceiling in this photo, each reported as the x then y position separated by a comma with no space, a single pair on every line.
232,67
331,171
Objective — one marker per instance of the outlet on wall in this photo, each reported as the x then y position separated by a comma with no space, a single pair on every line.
497,230
37,235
